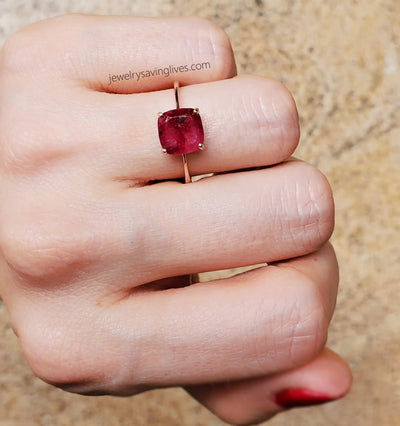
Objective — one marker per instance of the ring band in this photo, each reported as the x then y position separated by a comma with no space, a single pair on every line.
181,131
188,179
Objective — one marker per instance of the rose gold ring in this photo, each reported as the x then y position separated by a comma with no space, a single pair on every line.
181,131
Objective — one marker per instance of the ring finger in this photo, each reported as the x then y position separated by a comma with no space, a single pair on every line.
247,121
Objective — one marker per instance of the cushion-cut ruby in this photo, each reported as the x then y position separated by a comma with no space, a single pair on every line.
180,131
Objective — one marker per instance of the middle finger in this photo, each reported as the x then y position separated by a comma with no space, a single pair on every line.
225,221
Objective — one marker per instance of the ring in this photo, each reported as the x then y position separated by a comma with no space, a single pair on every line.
181,131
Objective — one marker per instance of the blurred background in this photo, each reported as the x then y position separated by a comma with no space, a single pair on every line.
341,61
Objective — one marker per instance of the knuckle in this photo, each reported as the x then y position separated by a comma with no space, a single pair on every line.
30,148
18,149
272,113
312,205
22,51
39,251
308,324
53,354
285,123
15,52
28,49
214,32
31,255
63,351
212,41
44,354
295,332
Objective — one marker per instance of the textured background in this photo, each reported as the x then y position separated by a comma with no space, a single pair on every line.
341,61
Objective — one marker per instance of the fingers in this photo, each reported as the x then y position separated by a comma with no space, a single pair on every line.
144,234
324,379
115,237
259,323
219,223
247,121
262,322
122,54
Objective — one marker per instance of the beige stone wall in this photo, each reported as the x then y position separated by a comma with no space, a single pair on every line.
341,60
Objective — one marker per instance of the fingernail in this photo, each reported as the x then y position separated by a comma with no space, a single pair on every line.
290,398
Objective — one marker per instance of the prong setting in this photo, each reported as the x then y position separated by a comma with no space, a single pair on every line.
180,131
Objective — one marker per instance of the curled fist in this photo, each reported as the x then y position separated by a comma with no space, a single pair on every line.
99,237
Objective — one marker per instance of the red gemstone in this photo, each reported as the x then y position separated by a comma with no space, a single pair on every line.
180,131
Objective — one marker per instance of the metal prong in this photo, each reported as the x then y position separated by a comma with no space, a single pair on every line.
201,146
196,110
176,87
164,151
159,114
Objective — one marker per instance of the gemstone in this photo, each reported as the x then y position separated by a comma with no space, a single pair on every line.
180,131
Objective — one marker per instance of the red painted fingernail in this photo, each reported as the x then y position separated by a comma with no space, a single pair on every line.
301,398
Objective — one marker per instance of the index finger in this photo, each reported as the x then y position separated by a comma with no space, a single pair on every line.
123,54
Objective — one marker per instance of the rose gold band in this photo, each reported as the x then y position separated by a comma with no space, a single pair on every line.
188,179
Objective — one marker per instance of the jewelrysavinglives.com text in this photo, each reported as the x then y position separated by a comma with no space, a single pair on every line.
164,71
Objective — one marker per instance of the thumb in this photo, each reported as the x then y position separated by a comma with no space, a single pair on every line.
250,401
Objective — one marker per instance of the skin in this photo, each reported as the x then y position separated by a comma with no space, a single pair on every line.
98,238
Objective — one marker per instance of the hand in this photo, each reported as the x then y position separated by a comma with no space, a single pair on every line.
98,238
